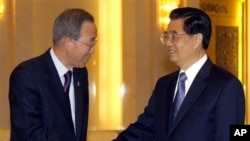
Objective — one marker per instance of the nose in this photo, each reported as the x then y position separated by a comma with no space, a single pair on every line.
168,42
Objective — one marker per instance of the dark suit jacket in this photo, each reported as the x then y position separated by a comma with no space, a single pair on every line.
40,110
214,101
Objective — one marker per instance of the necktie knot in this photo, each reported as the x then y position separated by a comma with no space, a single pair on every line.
67,77
183,77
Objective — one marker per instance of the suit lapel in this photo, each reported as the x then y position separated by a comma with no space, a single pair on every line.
61,98
81,101
170,98
198,85
78,103
57,89
164,97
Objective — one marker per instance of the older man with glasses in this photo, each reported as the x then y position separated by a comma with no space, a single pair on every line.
198,102
48,95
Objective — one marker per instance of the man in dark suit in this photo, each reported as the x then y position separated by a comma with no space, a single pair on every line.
213,97
42,106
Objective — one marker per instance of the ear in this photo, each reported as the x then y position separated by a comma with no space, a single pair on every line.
198,39
67,41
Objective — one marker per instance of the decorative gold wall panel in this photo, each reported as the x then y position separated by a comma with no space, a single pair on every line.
227,37
226,47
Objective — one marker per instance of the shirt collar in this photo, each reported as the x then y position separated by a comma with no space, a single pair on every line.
61,69
193,70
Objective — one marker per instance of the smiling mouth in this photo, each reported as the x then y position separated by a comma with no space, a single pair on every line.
171,51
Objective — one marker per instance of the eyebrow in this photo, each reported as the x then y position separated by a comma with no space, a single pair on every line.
172,31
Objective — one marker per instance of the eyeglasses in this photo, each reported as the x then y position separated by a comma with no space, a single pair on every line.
170,36
91,44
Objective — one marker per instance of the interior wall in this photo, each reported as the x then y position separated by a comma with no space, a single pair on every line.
4,71
26,31
247,62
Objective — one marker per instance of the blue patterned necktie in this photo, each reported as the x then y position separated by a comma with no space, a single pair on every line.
66,85
180,94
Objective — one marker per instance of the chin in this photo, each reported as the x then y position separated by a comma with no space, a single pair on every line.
83,65
80,66
173,60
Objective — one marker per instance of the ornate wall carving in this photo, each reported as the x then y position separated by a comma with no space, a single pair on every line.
226,45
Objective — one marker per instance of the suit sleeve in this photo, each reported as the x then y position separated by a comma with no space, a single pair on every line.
143,129
26,110
230,109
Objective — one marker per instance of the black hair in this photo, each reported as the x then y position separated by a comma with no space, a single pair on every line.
195,21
